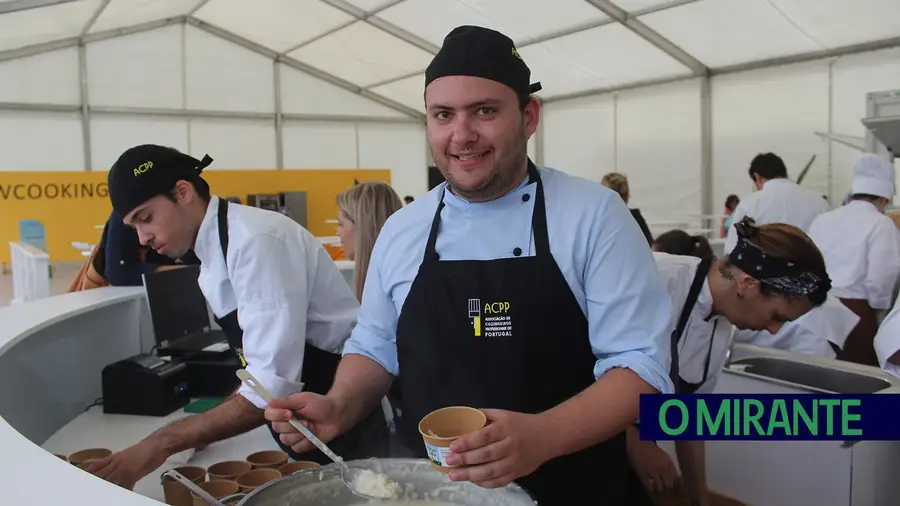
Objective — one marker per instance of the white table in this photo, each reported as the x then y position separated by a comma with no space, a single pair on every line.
56,347
94,429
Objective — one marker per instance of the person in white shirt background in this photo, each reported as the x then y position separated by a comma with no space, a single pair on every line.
775,274
777,199
277,295
887,342
862,252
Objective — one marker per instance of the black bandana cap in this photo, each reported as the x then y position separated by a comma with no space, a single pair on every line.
771,270
148,170
482,52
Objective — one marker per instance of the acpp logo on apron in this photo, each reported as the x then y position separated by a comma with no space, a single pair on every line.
496,323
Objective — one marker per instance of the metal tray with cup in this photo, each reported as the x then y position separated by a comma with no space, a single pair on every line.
422,484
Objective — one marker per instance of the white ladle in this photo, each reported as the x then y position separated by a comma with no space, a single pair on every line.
347,474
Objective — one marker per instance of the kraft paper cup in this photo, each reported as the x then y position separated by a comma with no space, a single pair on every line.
177,494
84,456
293,467
228,470
271,459
256,478
216,488
444,426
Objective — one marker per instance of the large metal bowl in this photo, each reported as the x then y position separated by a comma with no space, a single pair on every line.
322,486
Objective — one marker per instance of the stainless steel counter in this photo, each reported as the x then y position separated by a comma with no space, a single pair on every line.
790,473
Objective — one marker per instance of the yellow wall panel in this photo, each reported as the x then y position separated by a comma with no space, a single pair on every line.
72,204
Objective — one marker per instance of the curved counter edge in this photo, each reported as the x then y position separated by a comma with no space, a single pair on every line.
29,474
19,321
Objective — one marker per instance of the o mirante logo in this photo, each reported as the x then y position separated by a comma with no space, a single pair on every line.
751,417
801,417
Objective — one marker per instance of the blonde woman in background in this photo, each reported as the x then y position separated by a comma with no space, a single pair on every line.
363,209
619,183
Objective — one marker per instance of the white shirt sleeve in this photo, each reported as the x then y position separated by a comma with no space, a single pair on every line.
883,265
887,341
270,283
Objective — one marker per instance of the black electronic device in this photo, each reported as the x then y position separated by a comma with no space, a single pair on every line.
212,377
144,385
179,314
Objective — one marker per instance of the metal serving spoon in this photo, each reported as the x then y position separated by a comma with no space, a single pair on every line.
347,475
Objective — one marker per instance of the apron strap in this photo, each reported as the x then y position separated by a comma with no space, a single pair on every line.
693,294
223,227
430,253
538,219
539,215
712,338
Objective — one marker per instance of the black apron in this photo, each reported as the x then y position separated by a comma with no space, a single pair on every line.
682,386
640,494
319,368
505,334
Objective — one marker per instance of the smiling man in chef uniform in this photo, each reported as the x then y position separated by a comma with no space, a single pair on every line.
513,288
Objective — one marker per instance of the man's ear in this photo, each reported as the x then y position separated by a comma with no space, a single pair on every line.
532,114
184,192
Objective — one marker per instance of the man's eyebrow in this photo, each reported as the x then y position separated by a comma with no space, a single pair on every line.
138,216
471,105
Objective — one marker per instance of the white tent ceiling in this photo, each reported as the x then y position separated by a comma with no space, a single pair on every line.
380,48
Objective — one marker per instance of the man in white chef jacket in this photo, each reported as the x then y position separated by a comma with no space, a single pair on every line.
279,298
887,342
778,199
861,247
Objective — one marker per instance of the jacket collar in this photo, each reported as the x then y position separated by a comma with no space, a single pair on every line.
207,241
781,181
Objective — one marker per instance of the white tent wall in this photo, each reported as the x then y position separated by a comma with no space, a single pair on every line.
653,133
300,84
650,134
199,93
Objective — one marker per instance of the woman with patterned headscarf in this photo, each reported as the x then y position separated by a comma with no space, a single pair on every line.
775,274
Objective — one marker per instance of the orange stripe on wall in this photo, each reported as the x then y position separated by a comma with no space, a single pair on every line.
71,204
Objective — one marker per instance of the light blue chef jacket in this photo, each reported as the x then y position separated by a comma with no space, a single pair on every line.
595,241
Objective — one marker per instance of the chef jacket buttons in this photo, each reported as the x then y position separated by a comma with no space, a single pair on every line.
517,251
526,197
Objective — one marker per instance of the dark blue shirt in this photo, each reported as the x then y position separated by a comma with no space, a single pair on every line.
123,265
